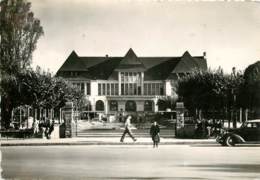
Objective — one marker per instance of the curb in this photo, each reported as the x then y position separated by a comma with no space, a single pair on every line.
105,143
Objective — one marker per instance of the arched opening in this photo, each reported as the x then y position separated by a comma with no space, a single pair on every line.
130,106
162,105
113,106
100,105
148,105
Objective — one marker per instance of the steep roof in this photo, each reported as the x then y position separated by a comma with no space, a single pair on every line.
104,69
130,62
188,63
155,68
73,63
162,70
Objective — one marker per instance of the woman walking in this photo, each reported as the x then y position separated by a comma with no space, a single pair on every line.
154,132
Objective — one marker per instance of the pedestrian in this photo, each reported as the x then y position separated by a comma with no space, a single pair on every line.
47,127
208,125
155,134
127,129
35,127
51,128
199,129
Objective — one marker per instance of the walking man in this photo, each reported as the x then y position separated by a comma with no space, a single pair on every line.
127,130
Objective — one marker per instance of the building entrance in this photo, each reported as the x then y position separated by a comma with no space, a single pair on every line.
130,106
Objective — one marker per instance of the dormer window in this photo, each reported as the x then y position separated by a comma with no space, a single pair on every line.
74,73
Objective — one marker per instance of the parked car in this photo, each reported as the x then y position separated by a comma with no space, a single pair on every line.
249,132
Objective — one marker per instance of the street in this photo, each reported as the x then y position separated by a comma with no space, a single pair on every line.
131,162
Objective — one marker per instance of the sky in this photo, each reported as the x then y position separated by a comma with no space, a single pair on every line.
229,32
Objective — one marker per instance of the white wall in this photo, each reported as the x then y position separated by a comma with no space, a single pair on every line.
168,88
94,88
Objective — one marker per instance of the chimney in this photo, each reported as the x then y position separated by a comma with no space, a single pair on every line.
205,55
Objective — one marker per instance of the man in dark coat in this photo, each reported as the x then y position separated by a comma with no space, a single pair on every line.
154,132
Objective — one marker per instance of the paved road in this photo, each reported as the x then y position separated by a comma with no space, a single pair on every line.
131,162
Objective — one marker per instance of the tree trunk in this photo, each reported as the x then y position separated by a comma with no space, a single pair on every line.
6,112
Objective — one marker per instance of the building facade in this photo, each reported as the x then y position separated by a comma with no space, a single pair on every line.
127,84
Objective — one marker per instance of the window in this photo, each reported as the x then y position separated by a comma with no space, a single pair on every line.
130,106
130,78
131,89
126,89
88,88
149,89
103,89
122,76
99,89
126,77
135,89
100,105
153,88
161,89
108,89
122,89
113,105
157,89
145,89
148,106
116,89
112,89
130,83
82,88
139,90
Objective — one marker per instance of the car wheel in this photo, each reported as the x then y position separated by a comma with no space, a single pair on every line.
230,141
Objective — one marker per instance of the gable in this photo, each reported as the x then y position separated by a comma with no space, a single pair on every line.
186,64
131,62
72,63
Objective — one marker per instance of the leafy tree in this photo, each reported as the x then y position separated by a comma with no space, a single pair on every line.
20,31
44,90
251,88
209,91
39,89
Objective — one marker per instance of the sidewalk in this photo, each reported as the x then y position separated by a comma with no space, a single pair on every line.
101,141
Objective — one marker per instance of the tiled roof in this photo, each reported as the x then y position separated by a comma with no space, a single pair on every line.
155,68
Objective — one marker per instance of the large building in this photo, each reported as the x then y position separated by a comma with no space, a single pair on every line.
129,83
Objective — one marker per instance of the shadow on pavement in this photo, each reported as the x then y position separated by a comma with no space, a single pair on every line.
219,145
234,168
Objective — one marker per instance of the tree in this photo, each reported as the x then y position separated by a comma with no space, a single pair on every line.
20,31
209,91
251,88
41,89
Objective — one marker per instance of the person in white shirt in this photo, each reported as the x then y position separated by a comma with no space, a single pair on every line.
127,129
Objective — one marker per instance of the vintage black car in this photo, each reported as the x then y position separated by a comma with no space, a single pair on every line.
249,132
